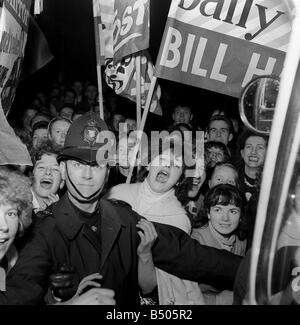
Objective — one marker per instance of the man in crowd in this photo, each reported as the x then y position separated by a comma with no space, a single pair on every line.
90,235
220,129
182,114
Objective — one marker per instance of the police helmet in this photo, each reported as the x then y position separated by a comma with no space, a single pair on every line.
82,140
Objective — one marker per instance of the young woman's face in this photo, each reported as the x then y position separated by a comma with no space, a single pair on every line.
9,224
254,151
223,175
46,176
165,171
224,218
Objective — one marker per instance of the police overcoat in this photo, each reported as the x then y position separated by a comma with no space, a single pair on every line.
61,237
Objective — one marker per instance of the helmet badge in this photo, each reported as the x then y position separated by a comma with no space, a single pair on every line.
90,132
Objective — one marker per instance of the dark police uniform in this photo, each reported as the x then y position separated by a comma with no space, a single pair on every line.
109,247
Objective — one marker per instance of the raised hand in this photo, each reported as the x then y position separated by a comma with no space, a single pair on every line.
148,236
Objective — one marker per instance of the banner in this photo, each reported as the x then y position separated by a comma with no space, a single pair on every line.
121,27
13,32
14,21
131,27
121,77
103,11
37,52
221,45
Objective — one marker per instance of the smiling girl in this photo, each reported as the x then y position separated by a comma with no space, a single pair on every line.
15,216
221,224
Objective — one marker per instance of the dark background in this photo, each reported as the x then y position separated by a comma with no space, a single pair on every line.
68,27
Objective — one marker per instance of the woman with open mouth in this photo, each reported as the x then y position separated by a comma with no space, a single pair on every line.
47,179
155,199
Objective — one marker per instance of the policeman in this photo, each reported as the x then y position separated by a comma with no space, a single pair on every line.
97,238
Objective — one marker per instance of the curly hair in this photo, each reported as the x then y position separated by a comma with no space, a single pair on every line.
224,194
15,190
46,148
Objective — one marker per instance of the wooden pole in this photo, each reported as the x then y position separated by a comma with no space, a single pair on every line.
100,93
97,26
142,126
138,91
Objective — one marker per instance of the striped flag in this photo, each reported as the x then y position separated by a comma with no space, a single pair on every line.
121,77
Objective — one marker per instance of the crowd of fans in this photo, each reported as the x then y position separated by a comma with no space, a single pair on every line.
214,202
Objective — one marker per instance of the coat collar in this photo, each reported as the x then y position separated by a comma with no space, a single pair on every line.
66,217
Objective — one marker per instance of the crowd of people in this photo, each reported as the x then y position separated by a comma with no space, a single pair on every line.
74,230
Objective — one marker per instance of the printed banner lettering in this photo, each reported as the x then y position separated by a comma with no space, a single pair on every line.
121,28
222,45
131,27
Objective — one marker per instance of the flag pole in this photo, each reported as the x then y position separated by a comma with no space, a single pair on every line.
100,93
138,90
97,26
142,126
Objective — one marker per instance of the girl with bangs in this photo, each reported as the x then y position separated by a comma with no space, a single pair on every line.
221,224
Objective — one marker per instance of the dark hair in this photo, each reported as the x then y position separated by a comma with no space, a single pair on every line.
247,134
66,106
216,144
221,118
178,105
224,194
241,141
32,123
181,189
40,125
70,90
46,148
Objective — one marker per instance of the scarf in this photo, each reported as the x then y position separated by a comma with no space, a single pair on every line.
161,207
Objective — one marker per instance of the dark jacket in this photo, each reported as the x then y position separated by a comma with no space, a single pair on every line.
61,237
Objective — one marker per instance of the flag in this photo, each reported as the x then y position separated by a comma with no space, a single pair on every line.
121,27
12,150
13,37
131,27
122,34
37,52
103,11
121,77
222,45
